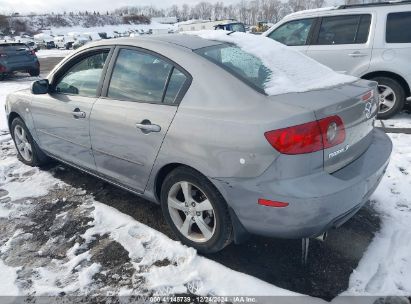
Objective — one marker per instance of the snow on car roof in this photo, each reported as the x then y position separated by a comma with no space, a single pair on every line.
291,70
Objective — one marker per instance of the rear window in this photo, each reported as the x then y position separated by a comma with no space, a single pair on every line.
350,29
398,27
242,65
13,46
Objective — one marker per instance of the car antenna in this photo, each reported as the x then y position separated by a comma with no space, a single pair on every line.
228,34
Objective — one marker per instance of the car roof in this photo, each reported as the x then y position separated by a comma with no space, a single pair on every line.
383,6
191,42
11,43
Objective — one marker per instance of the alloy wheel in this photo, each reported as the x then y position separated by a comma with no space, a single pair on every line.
387,98
191,212
22,143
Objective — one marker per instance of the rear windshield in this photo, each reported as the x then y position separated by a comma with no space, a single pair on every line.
13,46
242,65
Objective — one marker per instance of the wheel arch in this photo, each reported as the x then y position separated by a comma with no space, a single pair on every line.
13,115
162,174
392,75
240,234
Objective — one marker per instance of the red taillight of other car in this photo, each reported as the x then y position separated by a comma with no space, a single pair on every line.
309,137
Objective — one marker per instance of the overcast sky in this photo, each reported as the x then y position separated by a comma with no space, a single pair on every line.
27,6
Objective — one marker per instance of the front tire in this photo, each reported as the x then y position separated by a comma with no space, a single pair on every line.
195,210
28,151
391,97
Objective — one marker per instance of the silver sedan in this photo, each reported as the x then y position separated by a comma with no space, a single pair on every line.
189,123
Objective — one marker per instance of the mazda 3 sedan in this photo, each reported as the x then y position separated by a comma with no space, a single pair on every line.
232,134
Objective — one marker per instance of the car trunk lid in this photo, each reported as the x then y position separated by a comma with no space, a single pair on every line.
356,107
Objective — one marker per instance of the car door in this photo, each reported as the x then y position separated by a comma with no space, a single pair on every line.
62,117
295,33
129,123
343,43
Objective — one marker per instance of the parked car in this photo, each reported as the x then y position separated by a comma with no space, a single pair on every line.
68,45
231,26
32,46
371,41
50,45
17,57
80,42
190,123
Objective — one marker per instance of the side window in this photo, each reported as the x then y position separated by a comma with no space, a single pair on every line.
138,76
351,29
293,33
84,76
175,85
398,27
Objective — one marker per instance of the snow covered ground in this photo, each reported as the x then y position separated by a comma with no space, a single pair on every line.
53,53
401,120
56,239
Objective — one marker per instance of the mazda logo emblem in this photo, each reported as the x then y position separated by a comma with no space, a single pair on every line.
368,109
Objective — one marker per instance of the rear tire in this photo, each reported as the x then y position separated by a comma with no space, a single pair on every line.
28,152
34,73
204,206
391,98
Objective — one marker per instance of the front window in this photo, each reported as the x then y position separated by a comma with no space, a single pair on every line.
83,78
293,33
241,64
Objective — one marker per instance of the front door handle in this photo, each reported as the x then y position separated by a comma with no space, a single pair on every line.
147,127
357,54
78,114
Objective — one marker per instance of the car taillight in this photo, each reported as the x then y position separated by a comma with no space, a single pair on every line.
367,96
33,52
309,137
332,130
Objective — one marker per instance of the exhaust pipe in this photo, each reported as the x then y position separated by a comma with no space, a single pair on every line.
322,237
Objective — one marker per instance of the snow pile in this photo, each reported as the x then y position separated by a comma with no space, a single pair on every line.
385,268
187,270
7,278
291,70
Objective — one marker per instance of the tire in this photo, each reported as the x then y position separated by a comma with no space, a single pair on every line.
37,157
394,102
218,220
34,73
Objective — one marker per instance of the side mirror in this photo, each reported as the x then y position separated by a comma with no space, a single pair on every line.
40,87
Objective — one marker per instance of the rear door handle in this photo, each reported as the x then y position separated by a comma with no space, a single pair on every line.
357,54
147,127
78,114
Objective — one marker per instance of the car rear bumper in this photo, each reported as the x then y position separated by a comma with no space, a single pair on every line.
317,202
